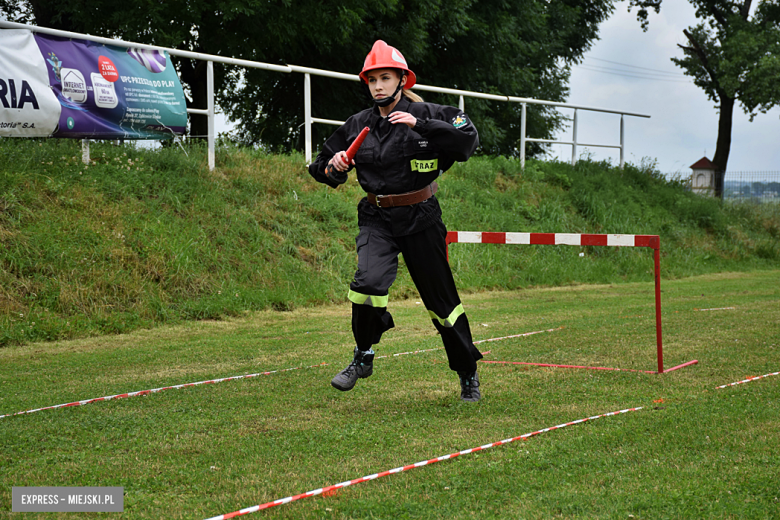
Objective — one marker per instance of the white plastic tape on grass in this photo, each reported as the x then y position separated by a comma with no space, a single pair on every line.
232,378
335,487
517,335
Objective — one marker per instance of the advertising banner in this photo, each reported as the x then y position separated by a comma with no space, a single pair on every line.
102,91
28,107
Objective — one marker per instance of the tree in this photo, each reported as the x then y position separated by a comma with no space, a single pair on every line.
733,54
523,48
519,47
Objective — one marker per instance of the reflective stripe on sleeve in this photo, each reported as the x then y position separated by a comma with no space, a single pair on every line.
367,299
450,320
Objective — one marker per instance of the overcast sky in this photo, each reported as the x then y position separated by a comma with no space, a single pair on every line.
683,123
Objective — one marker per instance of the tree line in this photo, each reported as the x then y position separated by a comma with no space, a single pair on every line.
512,47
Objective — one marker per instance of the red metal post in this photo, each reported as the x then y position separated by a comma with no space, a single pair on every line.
657,258
452,236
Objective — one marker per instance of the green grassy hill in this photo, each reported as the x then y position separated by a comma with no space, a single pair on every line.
142,237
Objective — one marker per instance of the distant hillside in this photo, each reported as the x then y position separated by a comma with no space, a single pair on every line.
142,237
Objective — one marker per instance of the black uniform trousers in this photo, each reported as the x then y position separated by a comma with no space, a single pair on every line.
425,255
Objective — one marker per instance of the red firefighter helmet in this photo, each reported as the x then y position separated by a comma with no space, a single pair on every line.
382,56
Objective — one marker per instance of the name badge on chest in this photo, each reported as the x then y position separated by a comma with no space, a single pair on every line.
421,145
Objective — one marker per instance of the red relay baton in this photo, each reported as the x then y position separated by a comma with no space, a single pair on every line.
351,151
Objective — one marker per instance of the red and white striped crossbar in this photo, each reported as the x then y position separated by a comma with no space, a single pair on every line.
575,239
552,239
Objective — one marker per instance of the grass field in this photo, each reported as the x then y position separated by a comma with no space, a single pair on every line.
141,238
693,451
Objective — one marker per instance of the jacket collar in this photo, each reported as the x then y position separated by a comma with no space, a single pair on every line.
401,106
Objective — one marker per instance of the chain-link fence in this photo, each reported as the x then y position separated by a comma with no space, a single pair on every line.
740,186
752,186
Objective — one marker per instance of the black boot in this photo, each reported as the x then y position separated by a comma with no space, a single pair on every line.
361,367
469,386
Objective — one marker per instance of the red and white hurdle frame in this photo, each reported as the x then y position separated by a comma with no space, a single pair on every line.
552,239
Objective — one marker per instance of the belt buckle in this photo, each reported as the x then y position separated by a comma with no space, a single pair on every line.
379,200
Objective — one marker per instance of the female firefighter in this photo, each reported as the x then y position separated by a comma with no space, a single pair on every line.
410,143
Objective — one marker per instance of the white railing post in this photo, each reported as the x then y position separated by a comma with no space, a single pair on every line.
574,140
522,135
85,151
307,114
622,141
211,118
462,104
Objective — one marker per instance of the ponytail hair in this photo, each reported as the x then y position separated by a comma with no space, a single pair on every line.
414,98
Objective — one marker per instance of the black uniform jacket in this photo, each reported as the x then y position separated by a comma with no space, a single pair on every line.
397,159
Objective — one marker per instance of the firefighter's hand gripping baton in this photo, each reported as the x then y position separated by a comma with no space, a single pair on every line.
336,175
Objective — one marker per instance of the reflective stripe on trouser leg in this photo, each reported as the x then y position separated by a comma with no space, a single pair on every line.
370,318
367,299
368,292
425,255
461,352
450,320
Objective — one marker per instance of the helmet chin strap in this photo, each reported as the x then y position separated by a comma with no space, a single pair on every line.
386,102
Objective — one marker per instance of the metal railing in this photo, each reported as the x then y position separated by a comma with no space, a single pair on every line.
309,119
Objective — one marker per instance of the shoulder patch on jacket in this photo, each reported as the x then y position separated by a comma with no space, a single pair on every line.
460,120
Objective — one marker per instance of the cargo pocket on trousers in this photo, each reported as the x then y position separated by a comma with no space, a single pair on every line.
361,243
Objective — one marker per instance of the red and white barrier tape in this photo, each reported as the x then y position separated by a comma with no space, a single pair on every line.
232,378
155,390
552,239
749,379
334,487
